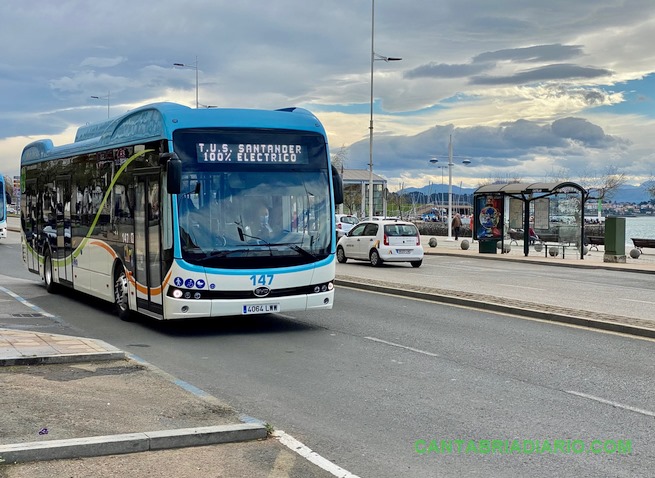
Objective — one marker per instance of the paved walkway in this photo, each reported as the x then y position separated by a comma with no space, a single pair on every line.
594,258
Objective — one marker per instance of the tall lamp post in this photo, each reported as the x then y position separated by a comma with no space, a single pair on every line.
193,66
374,57
434,161
450,184
102,98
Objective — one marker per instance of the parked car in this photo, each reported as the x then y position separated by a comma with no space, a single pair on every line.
344,223
382,241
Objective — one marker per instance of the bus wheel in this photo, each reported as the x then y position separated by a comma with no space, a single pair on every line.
50,286
121,300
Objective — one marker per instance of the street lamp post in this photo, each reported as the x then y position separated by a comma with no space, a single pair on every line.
450,184
434,161
195,67
374,57
102,98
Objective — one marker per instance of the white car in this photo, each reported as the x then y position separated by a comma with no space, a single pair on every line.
382,241
344,223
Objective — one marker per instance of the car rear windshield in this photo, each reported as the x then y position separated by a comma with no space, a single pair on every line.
400,230
349,219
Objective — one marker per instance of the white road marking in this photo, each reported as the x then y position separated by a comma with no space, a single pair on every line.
307,453
513,286
614,404
35,308
393,344
640,301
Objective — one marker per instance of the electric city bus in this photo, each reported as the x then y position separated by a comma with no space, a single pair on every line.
176,213
3,208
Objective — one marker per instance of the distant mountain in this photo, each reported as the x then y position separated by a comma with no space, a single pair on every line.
627,193
631,194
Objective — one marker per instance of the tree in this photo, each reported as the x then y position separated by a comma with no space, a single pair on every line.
650,187
340,158
602,186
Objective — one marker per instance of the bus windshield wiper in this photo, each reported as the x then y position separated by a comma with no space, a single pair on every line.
302,251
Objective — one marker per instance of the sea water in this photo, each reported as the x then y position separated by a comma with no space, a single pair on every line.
642,227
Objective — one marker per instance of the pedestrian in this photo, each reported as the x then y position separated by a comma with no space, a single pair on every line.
457,224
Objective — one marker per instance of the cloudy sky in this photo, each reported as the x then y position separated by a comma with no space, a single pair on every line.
526,89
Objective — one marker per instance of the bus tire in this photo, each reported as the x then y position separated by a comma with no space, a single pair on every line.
121,297
50,285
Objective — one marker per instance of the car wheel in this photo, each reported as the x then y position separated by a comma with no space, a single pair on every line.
121,299
50,286
341,255
416,263
375,258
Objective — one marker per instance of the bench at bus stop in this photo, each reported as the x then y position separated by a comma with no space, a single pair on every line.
594,241
641,243
554,242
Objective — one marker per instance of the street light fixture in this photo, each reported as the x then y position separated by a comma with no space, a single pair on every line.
193,66
450,184
374,57
102,98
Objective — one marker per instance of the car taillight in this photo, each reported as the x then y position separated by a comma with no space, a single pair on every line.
418,240
386,240
338,226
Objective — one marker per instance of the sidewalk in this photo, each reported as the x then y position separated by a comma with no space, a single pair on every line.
594,257
78,407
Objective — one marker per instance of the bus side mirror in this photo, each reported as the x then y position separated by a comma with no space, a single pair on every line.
174,172
338,186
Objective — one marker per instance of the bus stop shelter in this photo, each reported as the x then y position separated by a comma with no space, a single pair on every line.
556,206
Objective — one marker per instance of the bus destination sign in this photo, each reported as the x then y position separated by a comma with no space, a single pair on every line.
256,153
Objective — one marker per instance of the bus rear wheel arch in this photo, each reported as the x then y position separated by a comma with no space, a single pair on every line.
121,293
48,275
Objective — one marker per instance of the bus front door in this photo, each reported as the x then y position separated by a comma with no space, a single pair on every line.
147,243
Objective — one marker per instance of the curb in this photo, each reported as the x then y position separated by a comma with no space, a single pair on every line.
57,359
433,296
130,442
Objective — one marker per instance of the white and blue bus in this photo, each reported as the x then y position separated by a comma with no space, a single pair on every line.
3,208
176,213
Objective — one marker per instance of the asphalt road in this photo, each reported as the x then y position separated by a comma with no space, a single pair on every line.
362,383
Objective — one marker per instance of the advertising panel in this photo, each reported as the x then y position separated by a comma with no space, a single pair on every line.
489,217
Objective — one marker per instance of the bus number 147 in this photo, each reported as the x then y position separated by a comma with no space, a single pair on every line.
263,279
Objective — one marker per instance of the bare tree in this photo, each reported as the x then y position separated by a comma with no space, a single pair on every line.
340,158
604,185
650,188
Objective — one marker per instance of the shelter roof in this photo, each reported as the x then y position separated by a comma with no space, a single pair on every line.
528,188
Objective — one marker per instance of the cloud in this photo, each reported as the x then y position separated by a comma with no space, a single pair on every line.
533,54
561,72
442,70
97,62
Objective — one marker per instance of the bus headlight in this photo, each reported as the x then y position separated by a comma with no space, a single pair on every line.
177,293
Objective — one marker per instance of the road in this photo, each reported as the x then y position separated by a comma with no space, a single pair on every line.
362,383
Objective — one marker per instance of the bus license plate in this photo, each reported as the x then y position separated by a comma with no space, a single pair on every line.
260,309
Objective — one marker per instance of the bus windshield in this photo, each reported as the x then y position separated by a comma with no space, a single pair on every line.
268,206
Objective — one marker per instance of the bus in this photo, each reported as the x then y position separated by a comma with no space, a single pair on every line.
178,213
3,208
